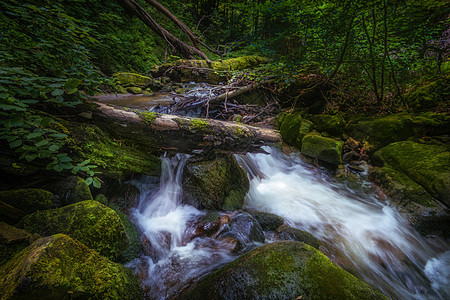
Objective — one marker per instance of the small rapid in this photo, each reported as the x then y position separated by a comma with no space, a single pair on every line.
357,228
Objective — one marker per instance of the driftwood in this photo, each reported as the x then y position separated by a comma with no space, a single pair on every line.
240,91
182,134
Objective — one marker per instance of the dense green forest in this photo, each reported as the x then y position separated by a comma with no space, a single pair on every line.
339,81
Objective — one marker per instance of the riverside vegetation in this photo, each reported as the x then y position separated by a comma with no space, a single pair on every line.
350,85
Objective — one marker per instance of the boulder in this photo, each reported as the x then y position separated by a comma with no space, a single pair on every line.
430,94
322,148
285,232
246,229
293,129
28,200
134,90
267,220
92,223
71,190
381,131
12,240
220,184
332,124
133,79
282,270
58,267
417,179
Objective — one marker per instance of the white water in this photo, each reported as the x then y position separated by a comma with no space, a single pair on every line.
362,234
357,230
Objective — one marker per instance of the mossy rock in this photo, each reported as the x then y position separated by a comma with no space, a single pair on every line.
92,223
290,126
322,148
426,164
220,184
285,232
429,95
382,131
426,213
267,220
134,90
246,229
28,200
58,267
135,247
10,214
70,190
282,270
332,124
133,79
12,240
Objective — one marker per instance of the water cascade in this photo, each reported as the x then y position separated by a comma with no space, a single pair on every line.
358,230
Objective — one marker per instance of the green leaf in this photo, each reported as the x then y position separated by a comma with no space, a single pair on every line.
58,168
34,135
75,170
58,135
15,144
41,143
96,183
72,83
67,166
53,148
83,163
30,157
89,180
64,159
57,92
46,121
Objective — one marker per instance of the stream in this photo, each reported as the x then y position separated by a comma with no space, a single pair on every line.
357,229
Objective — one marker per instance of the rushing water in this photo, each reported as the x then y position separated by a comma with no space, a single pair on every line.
357,230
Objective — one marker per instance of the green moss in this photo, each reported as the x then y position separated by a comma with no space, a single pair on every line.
57,265
12,240
290,126
97,226
70,190
429,95
135,247
332,124
426,164
116,158
282,270
288,233
267,221
147,116
322,148
216,185
28,200
102,199
132,79
134,90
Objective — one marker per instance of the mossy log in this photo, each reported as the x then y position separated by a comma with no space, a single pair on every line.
182,134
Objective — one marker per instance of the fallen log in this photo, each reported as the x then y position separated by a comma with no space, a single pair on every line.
240,91
182,134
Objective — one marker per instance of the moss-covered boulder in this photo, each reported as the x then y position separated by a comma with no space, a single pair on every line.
134,90
92,223
323,148
135,247
285,232
220,184
28,200
426,164
282,270
430,94
12,240
70,190
381,131
58,267
267,220
331,124
132,79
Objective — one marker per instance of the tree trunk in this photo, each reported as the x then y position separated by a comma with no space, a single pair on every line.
182,134
184,49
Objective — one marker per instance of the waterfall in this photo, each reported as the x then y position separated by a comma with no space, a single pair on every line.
358,229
